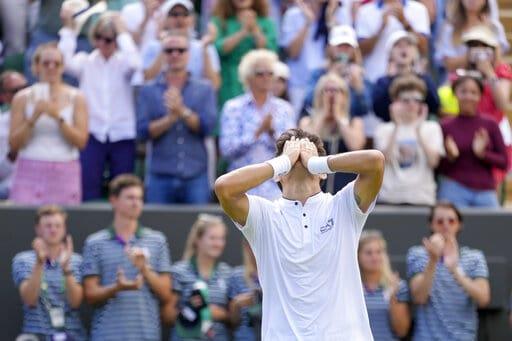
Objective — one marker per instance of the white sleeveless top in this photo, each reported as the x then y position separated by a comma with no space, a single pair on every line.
47,142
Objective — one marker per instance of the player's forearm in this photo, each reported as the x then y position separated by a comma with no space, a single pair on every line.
359,162
239,181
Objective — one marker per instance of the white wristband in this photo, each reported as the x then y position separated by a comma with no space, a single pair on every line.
318,165
281,166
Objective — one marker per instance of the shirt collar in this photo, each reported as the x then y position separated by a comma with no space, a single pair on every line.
380,3
250,98
161,80
312,200
113,236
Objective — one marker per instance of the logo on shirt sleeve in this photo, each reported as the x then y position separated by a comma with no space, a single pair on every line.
328,226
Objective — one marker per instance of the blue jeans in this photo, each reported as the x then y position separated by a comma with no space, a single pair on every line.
168,189
462,196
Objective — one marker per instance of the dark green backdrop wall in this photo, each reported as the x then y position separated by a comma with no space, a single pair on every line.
489,231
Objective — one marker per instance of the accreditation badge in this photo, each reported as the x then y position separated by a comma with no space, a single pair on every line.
57,317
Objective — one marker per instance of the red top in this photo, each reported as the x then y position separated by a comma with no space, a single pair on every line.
468,169
487,107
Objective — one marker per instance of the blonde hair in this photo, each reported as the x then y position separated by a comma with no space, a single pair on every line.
47,210
367,237
318,99
198,229
36,58
249,61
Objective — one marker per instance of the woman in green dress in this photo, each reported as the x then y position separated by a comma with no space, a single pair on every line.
240,26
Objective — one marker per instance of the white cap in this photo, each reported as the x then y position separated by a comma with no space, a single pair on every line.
75,6
480,33
281,70
168,5
399,35
343,34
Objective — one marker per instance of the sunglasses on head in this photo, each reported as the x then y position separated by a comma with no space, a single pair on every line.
262,73
48,63
449,221
106,40
171,50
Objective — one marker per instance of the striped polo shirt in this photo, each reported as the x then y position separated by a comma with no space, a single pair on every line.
36,320
238,285
185,274
377,304
450,314
131,314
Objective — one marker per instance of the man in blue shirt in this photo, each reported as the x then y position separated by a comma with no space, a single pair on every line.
126,270
48,279
176,113
447,283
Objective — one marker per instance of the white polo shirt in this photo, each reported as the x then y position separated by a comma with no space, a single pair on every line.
307,266
376,62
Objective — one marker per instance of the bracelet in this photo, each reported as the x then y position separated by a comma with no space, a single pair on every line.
281,166
318,165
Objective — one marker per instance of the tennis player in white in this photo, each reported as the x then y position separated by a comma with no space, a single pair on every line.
306,242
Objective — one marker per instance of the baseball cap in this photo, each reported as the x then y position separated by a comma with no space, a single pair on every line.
397,36
480,33
343,34
168,5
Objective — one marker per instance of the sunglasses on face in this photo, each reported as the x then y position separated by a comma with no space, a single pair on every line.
450,221
171,50
410,99
332,90
48,63
179,14
263,73
106,40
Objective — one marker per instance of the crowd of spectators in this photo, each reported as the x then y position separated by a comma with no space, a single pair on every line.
176,92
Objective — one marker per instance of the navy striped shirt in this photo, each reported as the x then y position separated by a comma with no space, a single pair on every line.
238,285
36,320
377,304
133,314
450,313
184,275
